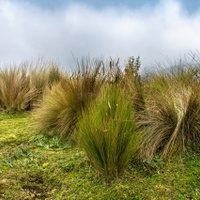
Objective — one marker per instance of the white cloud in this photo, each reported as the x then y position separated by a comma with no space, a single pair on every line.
28,32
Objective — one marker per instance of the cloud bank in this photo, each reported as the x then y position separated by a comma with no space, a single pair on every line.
151,32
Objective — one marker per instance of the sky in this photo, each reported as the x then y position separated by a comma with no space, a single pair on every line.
61,30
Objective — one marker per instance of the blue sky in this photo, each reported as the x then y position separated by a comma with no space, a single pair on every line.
56,29
188,5
95,3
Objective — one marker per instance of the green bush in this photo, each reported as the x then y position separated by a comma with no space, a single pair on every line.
106,131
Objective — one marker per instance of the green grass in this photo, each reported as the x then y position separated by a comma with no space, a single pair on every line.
106,131
35,166
63,103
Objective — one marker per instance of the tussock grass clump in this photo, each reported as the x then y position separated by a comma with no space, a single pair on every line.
22,86
107,132
43,76
171,121
62,105
60,108
15,93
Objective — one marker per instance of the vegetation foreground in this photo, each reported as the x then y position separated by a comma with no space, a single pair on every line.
36,167
100,132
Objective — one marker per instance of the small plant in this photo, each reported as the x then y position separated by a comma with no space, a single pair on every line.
133,85
132,67
154,165
107,132
45,142
20,153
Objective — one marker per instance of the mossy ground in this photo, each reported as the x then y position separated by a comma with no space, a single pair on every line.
33,166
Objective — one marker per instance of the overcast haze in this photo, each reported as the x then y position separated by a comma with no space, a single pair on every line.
55,30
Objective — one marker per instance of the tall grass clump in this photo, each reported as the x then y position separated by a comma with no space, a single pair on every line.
15,93
171,120
22,86
64,102
42,76
106,131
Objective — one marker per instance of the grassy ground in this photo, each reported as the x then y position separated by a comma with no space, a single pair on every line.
33,166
